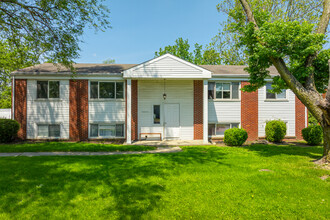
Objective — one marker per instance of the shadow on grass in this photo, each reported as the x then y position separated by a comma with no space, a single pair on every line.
313,152
134,183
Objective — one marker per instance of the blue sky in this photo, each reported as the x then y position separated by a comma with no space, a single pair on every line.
141,27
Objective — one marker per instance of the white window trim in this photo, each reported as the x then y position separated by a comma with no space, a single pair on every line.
47,137
231,92
49,99
216,123
98,91
276,99
105,137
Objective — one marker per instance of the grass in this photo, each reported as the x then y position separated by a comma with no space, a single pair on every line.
202,182
67,146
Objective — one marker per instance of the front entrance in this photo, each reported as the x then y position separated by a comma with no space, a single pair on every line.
172,121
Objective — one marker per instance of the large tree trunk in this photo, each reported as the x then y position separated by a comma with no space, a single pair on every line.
326,144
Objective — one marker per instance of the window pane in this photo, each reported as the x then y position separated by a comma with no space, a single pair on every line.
94,132
94,86
226,86
269,95
220,130
107,130
54,131
42,130
211,90
211,129
54,89
156,114
42,89
120,130
235,92
226,94
235,125
281,95
107,90
119,90
218,90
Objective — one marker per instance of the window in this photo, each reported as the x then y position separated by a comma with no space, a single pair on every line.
270,95
49,130
106,90
48,89
219,129
106,130
157,114
223,90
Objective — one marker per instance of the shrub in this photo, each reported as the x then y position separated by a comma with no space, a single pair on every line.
8,130
275,130
313,134
235,137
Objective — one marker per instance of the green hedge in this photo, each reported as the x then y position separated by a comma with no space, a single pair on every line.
8,130
313,134
235,137
275,130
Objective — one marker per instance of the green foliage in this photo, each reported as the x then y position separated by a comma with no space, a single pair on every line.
235,137
109,61
275,130
311,119
313,134
198,56
8,130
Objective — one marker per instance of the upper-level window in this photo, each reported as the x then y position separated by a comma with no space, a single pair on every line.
48,89
223,90
107,90
270,95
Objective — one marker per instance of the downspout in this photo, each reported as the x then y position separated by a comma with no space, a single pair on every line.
13,99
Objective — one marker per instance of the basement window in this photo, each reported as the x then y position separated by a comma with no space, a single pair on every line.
48,89
106,130
49,130
223,91
106,90
218,129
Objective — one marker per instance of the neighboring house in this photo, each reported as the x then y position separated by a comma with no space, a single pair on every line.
5,113
166,97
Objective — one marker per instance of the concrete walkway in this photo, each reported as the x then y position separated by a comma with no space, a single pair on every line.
37,154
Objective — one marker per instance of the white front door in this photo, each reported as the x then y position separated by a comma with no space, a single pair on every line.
172,121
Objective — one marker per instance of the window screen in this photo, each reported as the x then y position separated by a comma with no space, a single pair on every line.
42,130
211,90
54,131
119,130
54,89
107,130
119,90
235,90
42,89
94,130
94,90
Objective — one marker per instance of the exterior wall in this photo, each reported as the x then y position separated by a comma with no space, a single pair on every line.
198,109
5,113
224,111
249,112
134,109
47,111
150,92
300,118
78,110
21,106
270,110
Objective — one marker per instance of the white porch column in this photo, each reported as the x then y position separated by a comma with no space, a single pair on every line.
129,112
205,111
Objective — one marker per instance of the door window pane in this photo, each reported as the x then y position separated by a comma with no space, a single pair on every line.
54,131
235,92
218,90
220,130
54,89
94,130
211,90
94,90
119,130
107,90
42,89
107,130
211,129
42,130
119,90
156,114
269,95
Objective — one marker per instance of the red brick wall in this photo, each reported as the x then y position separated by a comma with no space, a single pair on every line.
300,118
78,110
134,105
198,109
20,107
249,112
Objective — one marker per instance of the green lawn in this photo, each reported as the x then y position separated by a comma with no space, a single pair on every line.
67,146
198,183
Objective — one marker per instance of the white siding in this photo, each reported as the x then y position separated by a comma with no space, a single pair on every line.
47,111
106,111
5,113
224,111
150,92
270,110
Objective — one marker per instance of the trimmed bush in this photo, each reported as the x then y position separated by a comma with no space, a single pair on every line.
313,134
235,137
8,130
275,131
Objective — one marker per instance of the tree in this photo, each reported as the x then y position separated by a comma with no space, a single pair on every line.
109,61
50,28
227,42
198,56
295,48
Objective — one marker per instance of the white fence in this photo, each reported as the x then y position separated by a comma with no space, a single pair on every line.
5,113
